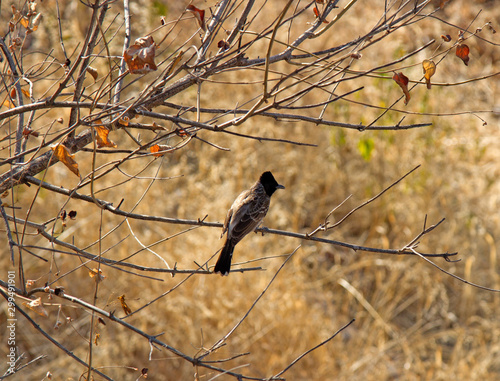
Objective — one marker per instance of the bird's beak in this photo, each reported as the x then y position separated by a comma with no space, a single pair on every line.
279,186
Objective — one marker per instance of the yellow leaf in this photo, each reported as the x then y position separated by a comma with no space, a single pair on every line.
429,70
63,155
94,273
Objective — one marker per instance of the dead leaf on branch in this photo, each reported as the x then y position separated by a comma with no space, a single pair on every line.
159,150
124,305
97,274
37,306
63,155
429,70
102,137
140,57
463,53
402,81
199,14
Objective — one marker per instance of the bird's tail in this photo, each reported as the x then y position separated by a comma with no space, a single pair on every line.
223,264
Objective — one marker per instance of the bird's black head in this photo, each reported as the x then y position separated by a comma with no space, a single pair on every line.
269,183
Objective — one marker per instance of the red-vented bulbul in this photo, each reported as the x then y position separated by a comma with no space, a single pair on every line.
246,213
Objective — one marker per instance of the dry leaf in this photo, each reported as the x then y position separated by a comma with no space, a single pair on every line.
159,150
126,308
93,72
463,53
36,22
63,155
446,38
223,44
199,14
402,81
102,137
94,273
429,70
140,57
124,121
7,103
316,13
37,306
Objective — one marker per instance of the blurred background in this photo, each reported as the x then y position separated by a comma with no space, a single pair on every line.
413,322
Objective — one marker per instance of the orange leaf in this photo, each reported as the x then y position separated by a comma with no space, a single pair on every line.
429,70
446,38
159,150
126,308
63,155
102,137
124,120
199,14
155,149
94,273
463,53
7,103
316,13
140,57
402,81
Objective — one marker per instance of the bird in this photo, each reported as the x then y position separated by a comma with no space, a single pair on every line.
246,213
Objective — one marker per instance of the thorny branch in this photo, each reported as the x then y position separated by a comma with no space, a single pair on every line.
287,74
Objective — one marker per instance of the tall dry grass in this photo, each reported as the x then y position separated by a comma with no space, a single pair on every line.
413,322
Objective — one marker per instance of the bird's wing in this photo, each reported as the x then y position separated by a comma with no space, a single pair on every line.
247,214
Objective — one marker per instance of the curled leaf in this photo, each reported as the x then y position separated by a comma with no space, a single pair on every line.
63,155
463,53
446,38
402,81
199,14
102,137
93,72
429,70
140,57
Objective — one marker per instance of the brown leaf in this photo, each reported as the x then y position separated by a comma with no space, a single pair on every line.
37,306
63,155
429,70
463,53
126,308
93,72
223,44
102,137
446,38
140,57
199,14
402,81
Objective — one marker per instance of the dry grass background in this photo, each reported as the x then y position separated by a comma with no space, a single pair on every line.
412,321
